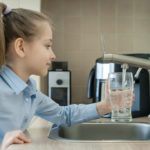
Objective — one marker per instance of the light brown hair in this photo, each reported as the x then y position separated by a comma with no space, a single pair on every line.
18,23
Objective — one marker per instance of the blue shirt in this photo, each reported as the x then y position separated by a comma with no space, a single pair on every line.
20,101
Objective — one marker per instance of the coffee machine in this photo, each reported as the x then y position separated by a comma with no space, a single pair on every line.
59,83
99,74
97,78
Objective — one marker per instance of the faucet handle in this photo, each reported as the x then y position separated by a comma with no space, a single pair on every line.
136,76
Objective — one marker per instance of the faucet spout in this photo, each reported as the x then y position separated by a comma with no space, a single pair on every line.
123,59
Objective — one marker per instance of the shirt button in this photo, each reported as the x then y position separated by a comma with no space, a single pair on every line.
27,99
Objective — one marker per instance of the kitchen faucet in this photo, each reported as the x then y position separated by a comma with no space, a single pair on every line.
125,60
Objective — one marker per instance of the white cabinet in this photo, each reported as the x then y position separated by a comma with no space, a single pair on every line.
28,4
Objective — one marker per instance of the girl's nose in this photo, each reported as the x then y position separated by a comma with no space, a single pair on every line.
52,55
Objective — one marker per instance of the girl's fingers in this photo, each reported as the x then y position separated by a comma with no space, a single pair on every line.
18,141
106,85
14,137
24,139
133,99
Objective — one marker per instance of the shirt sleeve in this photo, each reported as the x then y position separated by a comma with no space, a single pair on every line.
65,115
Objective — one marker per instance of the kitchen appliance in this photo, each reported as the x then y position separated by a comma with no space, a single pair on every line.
99,74
97,79
59,85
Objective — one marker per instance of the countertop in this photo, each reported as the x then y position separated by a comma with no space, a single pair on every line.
38,133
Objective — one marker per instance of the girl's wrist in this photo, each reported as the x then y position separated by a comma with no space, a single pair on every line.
103,107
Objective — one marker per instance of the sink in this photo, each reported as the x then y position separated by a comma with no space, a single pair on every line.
96,132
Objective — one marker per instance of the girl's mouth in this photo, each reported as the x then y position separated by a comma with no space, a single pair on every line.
48,64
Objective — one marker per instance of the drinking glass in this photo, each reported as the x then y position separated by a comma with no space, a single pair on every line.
120,86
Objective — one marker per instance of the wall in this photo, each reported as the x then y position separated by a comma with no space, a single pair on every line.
28,4
79,24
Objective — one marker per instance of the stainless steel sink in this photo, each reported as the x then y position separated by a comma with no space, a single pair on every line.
96,132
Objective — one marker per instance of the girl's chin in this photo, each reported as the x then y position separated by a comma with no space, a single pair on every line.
44,73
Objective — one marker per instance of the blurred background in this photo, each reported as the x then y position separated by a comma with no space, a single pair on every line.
78,26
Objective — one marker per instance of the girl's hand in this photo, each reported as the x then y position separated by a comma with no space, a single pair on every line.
14,137
103,107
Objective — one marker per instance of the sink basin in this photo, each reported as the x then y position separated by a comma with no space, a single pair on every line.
96,132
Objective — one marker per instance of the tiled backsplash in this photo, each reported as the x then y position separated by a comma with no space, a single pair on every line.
125,25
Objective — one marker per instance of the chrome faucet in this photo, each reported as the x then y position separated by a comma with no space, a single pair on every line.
123,59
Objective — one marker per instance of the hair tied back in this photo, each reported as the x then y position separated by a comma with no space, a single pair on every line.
7,10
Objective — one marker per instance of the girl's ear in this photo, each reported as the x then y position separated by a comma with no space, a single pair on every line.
19,47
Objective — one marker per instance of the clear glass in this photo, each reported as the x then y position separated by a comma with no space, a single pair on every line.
121,92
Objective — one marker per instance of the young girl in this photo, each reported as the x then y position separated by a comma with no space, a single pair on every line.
26,49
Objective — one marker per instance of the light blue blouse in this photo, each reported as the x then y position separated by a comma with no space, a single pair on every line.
20,101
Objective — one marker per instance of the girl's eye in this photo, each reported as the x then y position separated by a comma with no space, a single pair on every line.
48,46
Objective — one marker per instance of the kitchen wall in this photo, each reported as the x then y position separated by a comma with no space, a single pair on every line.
28,4
79,24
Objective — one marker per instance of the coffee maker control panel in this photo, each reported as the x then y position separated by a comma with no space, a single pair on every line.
59,87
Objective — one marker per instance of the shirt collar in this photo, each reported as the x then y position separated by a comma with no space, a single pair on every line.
15,82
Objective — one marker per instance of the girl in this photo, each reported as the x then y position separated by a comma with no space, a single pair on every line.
26,49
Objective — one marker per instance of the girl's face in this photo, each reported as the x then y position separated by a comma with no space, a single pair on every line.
39,51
